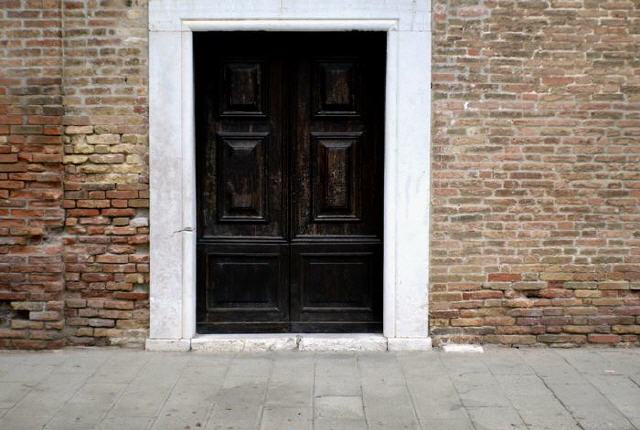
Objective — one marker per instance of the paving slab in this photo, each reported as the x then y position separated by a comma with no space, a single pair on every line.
87,407
496,418
188,406
124,423
388,407
339,407
239,402
339,424
291,381
141,400
12,392
285,418
536,403
337,375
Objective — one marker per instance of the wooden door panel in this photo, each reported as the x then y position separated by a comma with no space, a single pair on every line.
335,87
241,194
242,162
336,284
332,279
336,177
338,146
245,284
242,88
242,177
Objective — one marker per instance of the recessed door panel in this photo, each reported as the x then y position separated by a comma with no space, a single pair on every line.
242,177
336,285
248,281
245,284
290,181
242,88
336,87
334,281
336,177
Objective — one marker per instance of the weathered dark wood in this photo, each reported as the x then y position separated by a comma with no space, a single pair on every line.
290,181
242,161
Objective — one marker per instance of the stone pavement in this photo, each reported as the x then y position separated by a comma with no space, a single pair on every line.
500,389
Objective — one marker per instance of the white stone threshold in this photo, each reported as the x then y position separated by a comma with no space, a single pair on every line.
334,342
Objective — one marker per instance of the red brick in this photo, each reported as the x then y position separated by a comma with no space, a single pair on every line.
504,277
604,338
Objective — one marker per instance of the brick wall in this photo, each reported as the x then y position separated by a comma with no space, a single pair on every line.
31,214
73,173
536,172
106,177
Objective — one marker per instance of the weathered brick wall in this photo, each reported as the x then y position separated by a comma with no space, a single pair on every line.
73,229
106,177
31,214
536,172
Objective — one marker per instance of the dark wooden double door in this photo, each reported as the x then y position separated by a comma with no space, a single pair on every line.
290,181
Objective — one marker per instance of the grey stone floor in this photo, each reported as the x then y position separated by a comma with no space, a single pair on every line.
500,389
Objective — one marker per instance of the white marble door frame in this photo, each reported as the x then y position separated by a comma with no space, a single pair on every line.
172,149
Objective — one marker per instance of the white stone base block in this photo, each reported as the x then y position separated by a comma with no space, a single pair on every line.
169,345
455,347
332,342
342,342
409,343
244,343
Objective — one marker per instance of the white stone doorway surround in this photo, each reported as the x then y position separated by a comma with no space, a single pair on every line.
406,175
